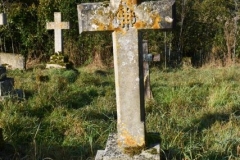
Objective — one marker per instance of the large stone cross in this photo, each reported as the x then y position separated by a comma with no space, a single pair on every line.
125,18
57,26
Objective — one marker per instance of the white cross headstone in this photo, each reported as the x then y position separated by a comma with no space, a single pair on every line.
125,18
57,26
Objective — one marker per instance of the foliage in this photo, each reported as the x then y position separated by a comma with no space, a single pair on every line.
205,30
202,29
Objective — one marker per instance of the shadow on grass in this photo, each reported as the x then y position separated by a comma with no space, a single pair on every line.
101,73
40,112
81,98
207,120
81,152
171,154
236,110
46,152
93,115
28,94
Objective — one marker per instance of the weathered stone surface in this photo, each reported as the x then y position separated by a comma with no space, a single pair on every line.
112,152
57,26
125,14
128,78
13,61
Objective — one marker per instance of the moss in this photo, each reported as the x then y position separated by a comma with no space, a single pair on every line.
153,151
131,151
57,58
60,60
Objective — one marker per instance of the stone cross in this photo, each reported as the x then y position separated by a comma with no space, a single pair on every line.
125,18
57,26
147,57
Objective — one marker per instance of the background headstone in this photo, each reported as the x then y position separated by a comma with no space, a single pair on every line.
13,61
147,58
57,60
58,26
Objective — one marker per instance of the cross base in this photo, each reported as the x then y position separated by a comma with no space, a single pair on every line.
112,152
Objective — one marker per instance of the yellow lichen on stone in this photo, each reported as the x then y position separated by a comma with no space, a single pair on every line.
129,140
140,24
100,26
131,151
156,21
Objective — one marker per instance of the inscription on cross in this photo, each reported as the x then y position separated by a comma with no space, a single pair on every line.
57,26
125,18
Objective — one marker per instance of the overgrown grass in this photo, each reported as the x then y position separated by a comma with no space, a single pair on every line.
68,114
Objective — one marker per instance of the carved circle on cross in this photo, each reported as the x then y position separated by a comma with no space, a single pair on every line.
125,16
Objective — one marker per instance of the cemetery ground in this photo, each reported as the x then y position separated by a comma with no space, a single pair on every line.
68,114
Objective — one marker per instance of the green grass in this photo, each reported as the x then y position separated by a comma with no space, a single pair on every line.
68,114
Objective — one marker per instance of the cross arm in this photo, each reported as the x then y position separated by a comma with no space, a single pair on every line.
104,16
60,25
94,17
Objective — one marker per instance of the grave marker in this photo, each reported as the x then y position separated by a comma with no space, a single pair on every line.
58,60
125,18
3,19
57,26
146,73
